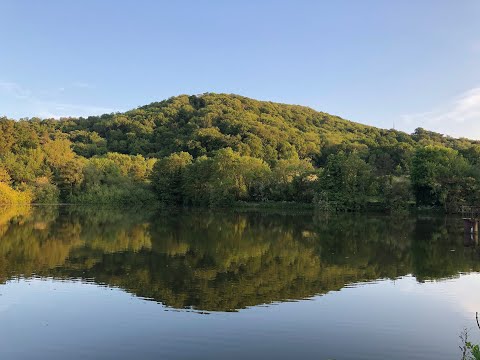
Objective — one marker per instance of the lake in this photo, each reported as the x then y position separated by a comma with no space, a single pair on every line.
92,283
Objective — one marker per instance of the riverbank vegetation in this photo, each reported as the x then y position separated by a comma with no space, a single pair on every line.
469,350
217,149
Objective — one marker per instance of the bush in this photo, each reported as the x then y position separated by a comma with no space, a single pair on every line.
46,193
11,196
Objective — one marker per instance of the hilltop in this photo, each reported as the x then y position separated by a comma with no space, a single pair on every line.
205,123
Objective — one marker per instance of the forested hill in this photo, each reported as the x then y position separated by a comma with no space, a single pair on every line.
205,123
240,148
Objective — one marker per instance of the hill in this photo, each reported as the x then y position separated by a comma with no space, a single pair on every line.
205,123
263,150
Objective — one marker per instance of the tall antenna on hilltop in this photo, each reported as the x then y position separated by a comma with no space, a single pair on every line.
393,124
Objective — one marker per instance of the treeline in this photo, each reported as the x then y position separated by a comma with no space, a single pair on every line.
49,171
216,149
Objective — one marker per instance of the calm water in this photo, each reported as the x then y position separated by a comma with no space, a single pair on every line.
82,283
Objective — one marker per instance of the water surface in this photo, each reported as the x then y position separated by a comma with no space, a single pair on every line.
83,283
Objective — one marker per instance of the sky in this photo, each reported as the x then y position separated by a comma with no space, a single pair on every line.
402,64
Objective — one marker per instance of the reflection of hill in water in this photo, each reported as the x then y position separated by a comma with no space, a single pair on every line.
226,261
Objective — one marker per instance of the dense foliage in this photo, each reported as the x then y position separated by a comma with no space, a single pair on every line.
215,149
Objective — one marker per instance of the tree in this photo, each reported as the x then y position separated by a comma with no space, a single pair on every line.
346,182
396,192
7,135
88,143
4,176
291,178
167,177
235,177
45,192
69,176
11,196
26,166
58,152
441,176
196,182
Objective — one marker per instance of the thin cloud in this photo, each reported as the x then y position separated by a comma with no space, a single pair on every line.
14,89
56,110
39,107
82,85
460,117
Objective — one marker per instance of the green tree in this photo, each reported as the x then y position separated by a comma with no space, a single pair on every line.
7,135
235,177
441,176
346,182
69,177
167,177
291,180
396,192
58,152
4,176
196,181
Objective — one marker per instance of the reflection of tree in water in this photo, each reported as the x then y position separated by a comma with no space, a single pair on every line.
229,260
36,241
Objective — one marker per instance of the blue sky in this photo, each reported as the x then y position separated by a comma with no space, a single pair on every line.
412,62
